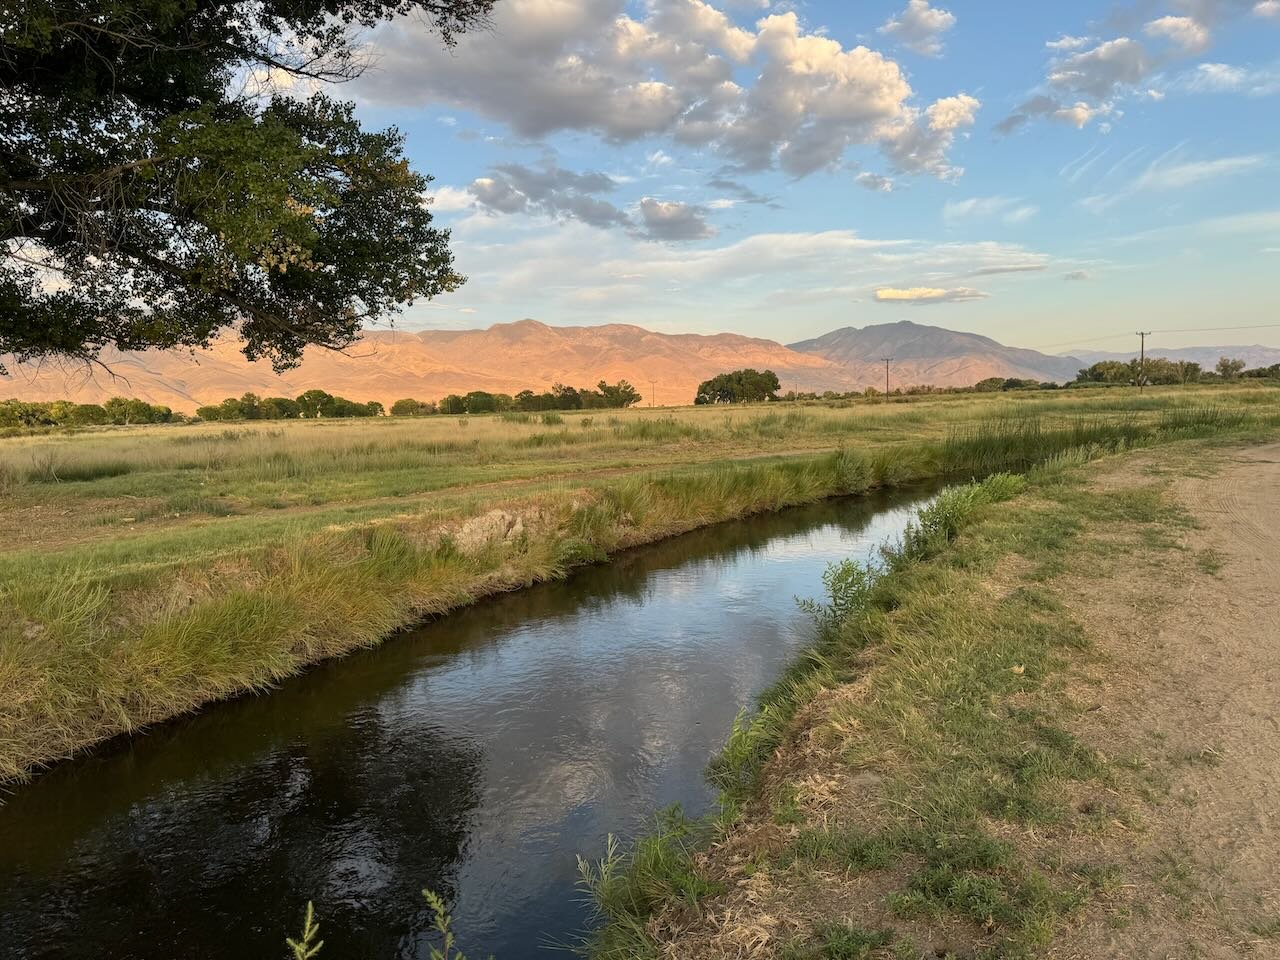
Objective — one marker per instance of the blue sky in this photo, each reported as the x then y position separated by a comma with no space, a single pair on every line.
1052,175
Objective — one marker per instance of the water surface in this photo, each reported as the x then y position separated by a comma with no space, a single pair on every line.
477,755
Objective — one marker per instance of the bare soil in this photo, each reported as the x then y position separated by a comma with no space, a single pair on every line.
1194,685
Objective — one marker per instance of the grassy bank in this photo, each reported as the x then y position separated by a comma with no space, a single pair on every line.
922,783
159,569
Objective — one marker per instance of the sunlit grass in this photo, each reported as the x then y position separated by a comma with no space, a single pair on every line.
149,570
946,690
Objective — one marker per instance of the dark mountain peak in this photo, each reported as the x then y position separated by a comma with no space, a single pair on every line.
919,343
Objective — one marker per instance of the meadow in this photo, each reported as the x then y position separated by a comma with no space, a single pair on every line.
149,570
962,764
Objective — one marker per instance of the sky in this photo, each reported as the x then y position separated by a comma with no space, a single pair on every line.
1051,175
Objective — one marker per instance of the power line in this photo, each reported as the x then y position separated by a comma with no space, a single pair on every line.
1120,336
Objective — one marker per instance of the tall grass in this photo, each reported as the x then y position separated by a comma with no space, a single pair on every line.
628,887
954,714
122,629
850,588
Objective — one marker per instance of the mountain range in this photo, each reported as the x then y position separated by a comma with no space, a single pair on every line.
507,358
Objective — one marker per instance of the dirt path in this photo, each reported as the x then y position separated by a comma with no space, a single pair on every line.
1167,562
1198,654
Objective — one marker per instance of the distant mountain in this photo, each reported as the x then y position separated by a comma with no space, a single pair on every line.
390,365
509,357
1207,357
924,354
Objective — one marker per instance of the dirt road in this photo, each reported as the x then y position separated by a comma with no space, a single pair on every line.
1196,686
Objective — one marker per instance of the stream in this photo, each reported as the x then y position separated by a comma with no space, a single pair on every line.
476,755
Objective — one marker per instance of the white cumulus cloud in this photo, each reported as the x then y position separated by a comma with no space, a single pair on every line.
920,27
674,71
1067,42
1191,35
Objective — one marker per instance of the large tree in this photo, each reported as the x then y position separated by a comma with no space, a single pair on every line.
740,386
171,168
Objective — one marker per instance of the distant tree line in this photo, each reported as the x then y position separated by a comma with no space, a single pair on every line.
67,413
605,396
1159,371
312,405
989,385
740,386
1263,373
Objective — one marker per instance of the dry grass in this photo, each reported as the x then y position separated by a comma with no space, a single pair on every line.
149,570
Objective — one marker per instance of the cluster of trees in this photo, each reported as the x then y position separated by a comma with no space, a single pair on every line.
414,408
1263,373
740,386
1159,370
1156,370
997,384
66,413
312,405
606,396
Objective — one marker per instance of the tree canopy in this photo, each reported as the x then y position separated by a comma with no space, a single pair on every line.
740,386
66,413
560,397
1154,370
159,183
312,405
1229,368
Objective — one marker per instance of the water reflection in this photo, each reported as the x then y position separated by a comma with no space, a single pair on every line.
476,755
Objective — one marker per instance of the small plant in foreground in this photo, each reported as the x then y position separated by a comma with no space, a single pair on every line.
309,944
840,941
443,925
848,587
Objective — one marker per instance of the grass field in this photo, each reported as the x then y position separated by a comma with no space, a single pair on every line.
149,570
953,768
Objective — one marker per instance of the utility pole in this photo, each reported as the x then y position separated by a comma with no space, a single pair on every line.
653,389
887,361
1142,362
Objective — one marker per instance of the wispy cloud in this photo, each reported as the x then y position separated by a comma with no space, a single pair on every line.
1169,173
1175,176
1009,209
1209,78
1073,170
